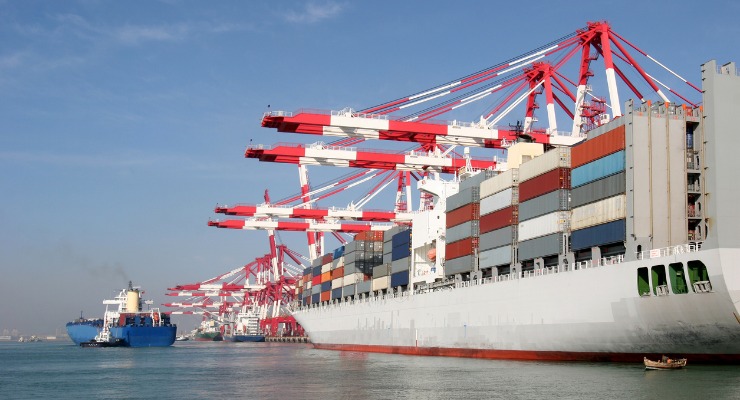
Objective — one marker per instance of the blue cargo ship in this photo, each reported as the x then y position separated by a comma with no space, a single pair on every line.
127,324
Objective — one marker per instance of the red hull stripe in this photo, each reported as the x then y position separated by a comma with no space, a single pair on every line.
528,355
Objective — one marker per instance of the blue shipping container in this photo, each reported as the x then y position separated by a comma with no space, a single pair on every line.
338,252
400,279
598,235
402,238
316,298
317,271
336,293
603,167
400,252
326,286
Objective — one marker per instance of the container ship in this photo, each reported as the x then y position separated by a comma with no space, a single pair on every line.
613,246
125,324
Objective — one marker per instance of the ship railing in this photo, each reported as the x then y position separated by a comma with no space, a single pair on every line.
661,290
669,251
702,287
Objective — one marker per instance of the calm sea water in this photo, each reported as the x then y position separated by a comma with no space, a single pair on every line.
199,370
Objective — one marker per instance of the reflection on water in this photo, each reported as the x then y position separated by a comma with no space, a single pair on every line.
191,370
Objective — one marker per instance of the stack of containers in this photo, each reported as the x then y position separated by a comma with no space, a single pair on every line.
326,260
400,258
316,281
544,185
598,198
306,285
352,272
499,215
337,273
463,229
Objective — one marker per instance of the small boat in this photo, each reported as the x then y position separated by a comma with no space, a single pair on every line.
182,338
665,363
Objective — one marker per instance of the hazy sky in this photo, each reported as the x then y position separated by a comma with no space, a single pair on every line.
123,123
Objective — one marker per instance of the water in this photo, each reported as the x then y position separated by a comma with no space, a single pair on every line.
200,370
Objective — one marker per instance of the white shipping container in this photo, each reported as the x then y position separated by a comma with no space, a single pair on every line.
558,157
543,225
600,212
381,283
353,278
498,183
326,268
337,283
496,202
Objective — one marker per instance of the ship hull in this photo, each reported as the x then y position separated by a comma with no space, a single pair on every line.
248,338
81,332
209,337
594,314
145,336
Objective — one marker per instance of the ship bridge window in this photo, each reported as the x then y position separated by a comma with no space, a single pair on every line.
678,281
699,276
643,281
660,284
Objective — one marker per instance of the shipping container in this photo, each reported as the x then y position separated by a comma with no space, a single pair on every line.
598,190
387,258
400,279
337,283
350,247
497,238
381,270
558,157
336,293
459,265
400,252
499,182
468,212
326,268
308,285
467,196
351,268
364,286
600,212
495,257
401,239
466,230
317,270
599,235
326,277
541,247
548,182
327,259
316,298
499,219
598,147
352,278
316,280
316,262
603,167
381,283
460,248
475,180
325,296
316,289
325,286
348,290
496,201
338,252
543,225
545,204
337,273
400,265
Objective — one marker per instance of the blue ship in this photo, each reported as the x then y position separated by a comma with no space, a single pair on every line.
127,324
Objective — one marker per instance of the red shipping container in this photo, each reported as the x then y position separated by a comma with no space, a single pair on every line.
337,273
548,182
316,280
460,248
325,296
598,147
499,219
327,258
468,212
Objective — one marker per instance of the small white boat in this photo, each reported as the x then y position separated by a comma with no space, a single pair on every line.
665,363
182,338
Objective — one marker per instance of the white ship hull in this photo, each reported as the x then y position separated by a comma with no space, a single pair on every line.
587,314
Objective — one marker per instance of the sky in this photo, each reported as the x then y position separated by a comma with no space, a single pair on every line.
122,124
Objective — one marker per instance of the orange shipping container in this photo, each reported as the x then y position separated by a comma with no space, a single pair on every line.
326,277
545,183
460,248
598,147
499,219
337,273
325,296
463,214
